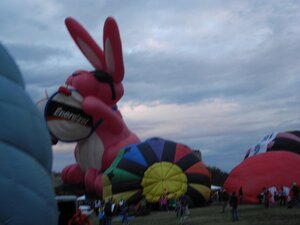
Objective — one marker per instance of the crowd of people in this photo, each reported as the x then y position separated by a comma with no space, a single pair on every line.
289,197
180,205
105,211
232,200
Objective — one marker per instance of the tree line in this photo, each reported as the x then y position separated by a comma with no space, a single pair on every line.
218,176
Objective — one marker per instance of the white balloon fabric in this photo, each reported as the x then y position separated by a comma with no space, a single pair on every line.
262,145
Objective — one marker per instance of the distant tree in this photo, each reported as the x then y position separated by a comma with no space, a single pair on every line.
218,176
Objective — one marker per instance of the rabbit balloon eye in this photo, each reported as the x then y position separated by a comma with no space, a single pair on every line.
104,77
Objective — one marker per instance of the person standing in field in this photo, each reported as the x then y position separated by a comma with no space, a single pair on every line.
163,203
295,195
282,196
108,212
101,216
266,197
97,206
124,213
178,208
233,202
225,198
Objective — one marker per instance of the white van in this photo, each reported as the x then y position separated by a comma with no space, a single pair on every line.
83,206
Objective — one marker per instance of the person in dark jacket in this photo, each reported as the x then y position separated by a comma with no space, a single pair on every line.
267,196
225,198
233,202
108,212
295,195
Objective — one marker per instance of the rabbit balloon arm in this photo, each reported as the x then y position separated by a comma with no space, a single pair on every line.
109,137
112,120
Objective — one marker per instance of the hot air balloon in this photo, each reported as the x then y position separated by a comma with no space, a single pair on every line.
25,153
272,163
85,110
156,167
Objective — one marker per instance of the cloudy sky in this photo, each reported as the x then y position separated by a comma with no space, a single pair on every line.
214,75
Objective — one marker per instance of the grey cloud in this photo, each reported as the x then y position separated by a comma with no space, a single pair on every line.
31,52
176,52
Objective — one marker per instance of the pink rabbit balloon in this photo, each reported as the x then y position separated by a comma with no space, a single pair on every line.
99,92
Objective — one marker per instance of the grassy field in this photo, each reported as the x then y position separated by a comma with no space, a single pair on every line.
211,215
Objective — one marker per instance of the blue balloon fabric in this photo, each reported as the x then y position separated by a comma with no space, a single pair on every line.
27,193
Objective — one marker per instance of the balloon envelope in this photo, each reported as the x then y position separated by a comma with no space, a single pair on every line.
272,163
156,167
25,153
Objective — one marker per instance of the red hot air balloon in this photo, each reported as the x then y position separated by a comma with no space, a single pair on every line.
272,163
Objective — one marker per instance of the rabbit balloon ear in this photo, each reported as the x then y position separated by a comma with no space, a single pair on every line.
86,44
113,50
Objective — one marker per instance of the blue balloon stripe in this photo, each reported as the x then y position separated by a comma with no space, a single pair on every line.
134,155
157,145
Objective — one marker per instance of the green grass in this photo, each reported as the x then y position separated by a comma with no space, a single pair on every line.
211,215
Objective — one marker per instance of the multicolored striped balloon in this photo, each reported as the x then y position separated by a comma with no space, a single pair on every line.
156,167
